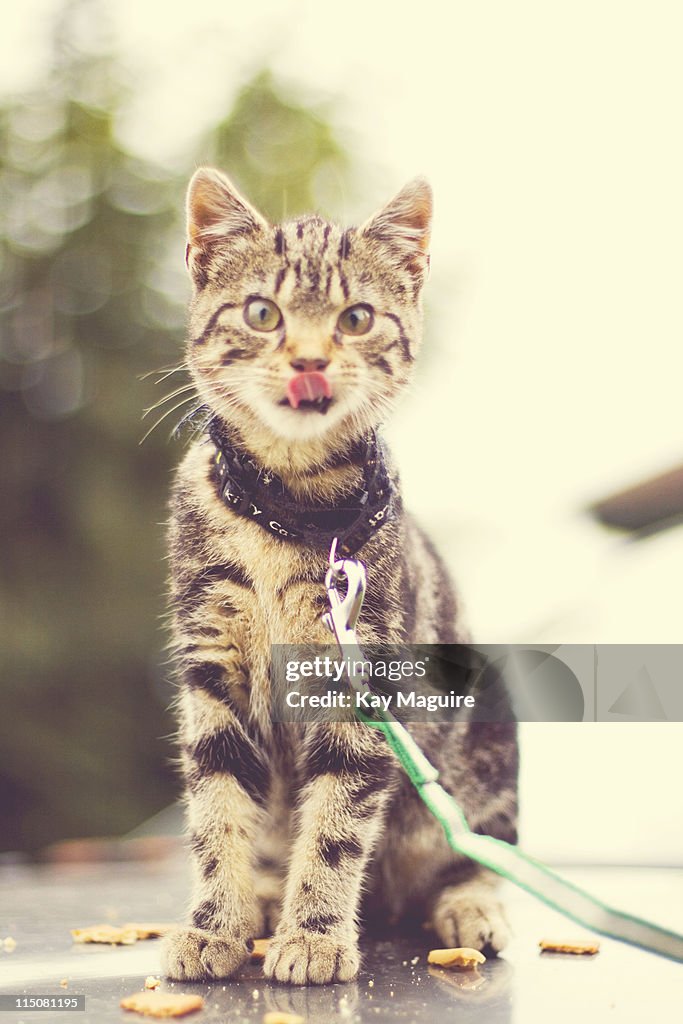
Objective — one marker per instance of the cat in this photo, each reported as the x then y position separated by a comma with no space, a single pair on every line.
301,338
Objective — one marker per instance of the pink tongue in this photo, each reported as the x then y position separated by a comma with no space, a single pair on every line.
307,387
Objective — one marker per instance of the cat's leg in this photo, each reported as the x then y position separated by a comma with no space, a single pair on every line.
417,876
347,775
272,846
469,913
227,782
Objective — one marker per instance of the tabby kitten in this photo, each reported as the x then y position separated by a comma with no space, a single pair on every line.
301,338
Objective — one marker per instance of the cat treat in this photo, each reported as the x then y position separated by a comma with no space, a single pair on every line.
576,948
302,337
260,949
460,958
119,935
162,1004
106,933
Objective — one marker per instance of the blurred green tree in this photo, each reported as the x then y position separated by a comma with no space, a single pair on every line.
286,156
92,298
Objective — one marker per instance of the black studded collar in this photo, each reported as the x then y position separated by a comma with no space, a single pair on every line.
252,491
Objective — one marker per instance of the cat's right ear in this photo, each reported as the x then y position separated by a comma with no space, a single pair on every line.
403,227
215,211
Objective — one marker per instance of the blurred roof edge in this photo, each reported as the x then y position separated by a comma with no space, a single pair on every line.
648,507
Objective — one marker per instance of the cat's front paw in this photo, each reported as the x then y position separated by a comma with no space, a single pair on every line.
306,958
475,920
192,954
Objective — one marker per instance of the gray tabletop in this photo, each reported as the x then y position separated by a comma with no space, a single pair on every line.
39,906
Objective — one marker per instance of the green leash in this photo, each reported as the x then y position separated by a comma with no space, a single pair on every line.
506,860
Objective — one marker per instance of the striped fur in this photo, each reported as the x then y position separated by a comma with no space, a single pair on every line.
299,824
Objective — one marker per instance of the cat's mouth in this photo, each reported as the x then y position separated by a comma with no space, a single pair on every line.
308,391
320,405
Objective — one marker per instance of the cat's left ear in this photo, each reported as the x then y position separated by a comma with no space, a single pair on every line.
404,226
216,211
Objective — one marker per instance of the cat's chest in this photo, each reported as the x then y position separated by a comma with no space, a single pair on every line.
287,584
282,592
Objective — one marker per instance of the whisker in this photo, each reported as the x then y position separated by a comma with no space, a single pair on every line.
174,369
169,397
190,398
166,370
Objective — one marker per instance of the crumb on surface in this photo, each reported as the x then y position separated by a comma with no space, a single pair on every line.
9,944
152,982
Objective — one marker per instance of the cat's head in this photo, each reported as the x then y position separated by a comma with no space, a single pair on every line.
303,329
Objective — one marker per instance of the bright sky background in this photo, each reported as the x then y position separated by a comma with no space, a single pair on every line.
552,140
552,136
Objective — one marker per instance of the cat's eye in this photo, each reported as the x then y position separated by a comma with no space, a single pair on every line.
356,319
262,314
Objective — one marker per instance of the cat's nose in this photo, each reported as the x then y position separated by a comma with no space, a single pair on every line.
308,365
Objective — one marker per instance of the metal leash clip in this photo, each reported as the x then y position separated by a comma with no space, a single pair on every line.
344,609
343,614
